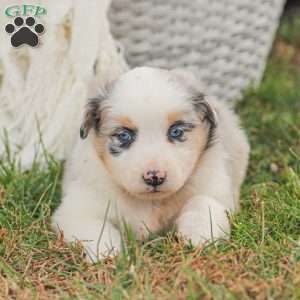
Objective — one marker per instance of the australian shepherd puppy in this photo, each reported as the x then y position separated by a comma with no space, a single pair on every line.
155,151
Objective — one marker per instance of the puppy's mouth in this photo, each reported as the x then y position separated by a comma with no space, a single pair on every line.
152,191
155,190
155,193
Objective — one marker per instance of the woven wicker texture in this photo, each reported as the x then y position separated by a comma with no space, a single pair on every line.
226,41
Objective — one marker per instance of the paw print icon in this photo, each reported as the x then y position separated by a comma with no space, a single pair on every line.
24,32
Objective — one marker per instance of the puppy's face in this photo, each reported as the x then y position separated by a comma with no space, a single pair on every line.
150,131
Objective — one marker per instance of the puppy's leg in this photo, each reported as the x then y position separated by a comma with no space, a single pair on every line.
204,216
203,219
84,223
99,238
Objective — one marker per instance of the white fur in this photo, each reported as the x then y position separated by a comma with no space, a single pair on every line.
203,185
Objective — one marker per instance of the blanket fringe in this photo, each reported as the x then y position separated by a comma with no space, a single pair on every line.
44,89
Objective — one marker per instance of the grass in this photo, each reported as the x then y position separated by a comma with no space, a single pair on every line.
261,260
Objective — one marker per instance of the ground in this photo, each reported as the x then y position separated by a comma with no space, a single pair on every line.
260,261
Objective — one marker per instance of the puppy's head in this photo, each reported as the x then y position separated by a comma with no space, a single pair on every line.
150,130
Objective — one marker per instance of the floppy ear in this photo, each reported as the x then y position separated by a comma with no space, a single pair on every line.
200,102
91,118
207,112
194,85
92,113
208,115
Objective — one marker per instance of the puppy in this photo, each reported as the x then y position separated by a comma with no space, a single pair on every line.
155,152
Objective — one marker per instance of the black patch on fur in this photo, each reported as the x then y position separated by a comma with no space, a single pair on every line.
208,116
92,116
114,150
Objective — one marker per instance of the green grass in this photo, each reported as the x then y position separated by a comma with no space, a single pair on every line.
261,260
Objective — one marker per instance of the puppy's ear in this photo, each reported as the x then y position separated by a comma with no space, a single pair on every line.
91,118
206,111
92,113
194,85
207,114
200,102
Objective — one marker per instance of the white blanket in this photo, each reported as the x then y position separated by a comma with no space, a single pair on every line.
44,89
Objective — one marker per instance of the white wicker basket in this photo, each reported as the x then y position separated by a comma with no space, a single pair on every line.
226,40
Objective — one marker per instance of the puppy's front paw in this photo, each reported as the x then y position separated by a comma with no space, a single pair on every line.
107,244
202,220
100,251
99,238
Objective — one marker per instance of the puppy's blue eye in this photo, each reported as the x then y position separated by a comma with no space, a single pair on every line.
125,137
176,132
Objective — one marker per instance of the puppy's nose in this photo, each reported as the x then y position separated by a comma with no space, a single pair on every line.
154,177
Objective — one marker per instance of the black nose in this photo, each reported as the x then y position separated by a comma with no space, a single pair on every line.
154,178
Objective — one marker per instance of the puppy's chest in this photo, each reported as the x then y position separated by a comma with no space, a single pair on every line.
164,214
154,216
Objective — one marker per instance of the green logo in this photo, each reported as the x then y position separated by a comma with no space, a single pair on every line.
25,28
25,10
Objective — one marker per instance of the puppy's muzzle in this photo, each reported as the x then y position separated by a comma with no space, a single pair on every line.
154,178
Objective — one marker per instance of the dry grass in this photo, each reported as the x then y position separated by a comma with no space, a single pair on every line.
261,260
